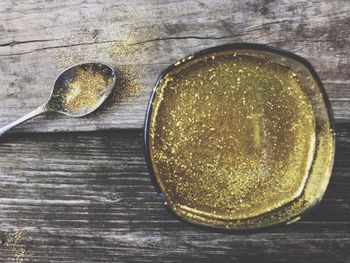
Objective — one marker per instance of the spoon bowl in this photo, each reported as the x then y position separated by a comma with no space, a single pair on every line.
59,101
78,91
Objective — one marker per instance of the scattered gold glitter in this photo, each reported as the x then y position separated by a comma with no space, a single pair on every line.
233,137
127,85
128,74
17,246
124,49
123,52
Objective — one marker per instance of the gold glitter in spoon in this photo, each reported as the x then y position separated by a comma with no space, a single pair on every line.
85,89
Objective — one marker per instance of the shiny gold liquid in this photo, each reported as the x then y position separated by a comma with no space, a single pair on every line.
231,137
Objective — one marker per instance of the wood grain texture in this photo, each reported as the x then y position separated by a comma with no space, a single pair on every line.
89,198
40,38
78,190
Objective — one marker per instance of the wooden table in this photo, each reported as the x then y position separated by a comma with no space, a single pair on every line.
77,190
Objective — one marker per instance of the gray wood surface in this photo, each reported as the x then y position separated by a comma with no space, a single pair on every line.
88,198
78,190
40,38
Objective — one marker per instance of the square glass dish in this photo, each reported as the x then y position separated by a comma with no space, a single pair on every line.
240,136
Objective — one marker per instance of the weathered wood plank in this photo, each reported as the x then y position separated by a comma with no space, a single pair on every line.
88,198
40,38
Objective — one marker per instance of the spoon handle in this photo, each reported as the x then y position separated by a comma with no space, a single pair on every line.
40,110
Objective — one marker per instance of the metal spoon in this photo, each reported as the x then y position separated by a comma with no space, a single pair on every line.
60,88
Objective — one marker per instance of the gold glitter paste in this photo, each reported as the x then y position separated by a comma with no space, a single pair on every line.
236,141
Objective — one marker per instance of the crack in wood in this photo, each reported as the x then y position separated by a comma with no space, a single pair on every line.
13,43
116,40
185,37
